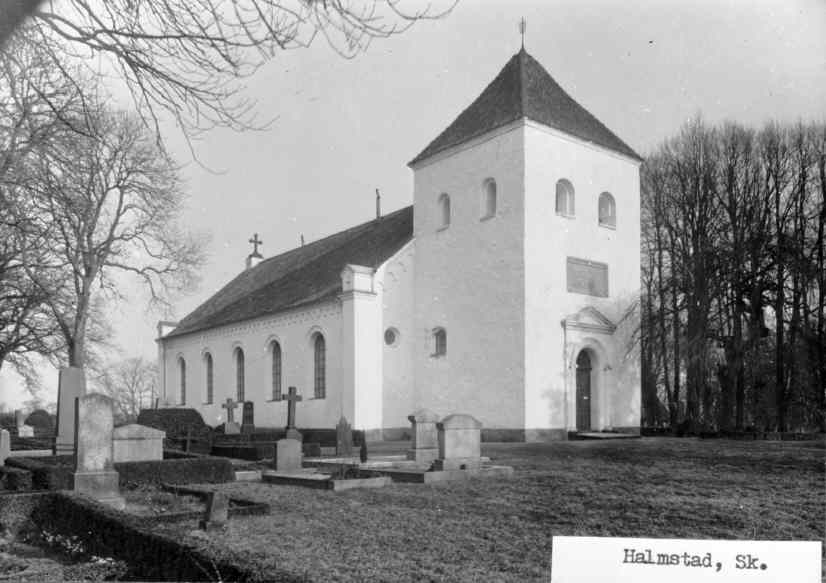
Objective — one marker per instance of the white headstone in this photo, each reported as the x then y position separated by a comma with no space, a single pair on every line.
71,385
95,473
425,443
5,446
459,443
137,443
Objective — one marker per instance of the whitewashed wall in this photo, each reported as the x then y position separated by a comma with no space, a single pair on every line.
294,331
469,279
549,240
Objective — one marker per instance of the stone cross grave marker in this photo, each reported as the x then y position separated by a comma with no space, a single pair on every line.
217,511
292,398
230,427
344,438
248,418
71,384
95,473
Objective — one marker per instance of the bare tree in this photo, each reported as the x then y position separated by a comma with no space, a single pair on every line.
132,383
109,201
188,58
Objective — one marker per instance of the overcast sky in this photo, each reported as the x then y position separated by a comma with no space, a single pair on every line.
346,127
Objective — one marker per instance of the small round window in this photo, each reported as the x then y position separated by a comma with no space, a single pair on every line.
391,337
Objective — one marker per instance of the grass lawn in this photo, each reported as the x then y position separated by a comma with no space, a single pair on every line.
501,530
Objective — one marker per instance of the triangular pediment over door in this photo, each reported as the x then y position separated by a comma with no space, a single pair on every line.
589,319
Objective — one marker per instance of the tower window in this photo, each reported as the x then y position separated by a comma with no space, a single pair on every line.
565,198
488,198
607,210
439,342
444,211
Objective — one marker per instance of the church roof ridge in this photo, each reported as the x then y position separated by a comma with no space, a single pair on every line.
302,275
524,89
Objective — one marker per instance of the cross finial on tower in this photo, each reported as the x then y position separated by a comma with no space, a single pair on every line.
255,243
522,26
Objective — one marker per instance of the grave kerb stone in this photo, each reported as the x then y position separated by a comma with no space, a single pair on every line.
217,511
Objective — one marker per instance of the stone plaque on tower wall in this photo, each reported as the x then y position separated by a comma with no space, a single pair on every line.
587,277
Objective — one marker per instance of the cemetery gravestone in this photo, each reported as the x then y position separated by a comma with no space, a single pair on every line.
94,474
425,444
248,418
137,443
5,446
459,443
292,398
230,426
71,385
344,438
23,430
217,511
288,454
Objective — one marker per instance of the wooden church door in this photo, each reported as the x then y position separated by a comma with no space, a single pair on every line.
583,392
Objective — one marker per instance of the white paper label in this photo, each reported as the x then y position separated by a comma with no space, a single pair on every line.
643,560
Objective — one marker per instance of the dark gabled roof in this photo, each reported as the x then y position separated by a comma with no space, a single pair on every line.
302,276
523,88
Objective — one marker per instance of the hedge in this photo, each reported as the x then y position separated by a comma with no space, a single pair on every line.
48,473
324,437
210,470
16,509
15,479
152,556
55,473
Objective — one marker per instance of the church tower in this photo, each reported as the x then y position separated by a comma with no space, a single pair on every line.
527,229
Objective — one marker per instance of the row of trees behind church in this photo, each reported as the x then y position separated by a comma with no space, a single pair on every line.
734,287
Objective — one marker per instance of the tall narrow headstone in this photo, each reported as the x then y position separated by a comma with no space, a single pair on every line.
5,446
248,418
95,474
71,385
344,438
424,447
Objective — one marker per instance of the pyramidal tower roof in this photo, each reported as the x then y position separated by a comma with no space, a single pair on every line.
523,88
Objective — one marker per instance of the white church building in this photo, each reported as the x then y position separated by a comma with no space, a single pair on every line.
507,291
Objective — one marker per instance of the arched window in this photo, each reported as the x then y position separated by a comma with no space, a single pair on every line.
439,342
607,210
444,210
182,378
208,366
276,371
488,198
239,374
565,198
320,372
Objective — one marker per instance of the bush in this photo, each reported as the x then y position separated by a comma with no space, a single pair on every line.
252,452
176,471
48,473
16,509
15,479
43,423
178,423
